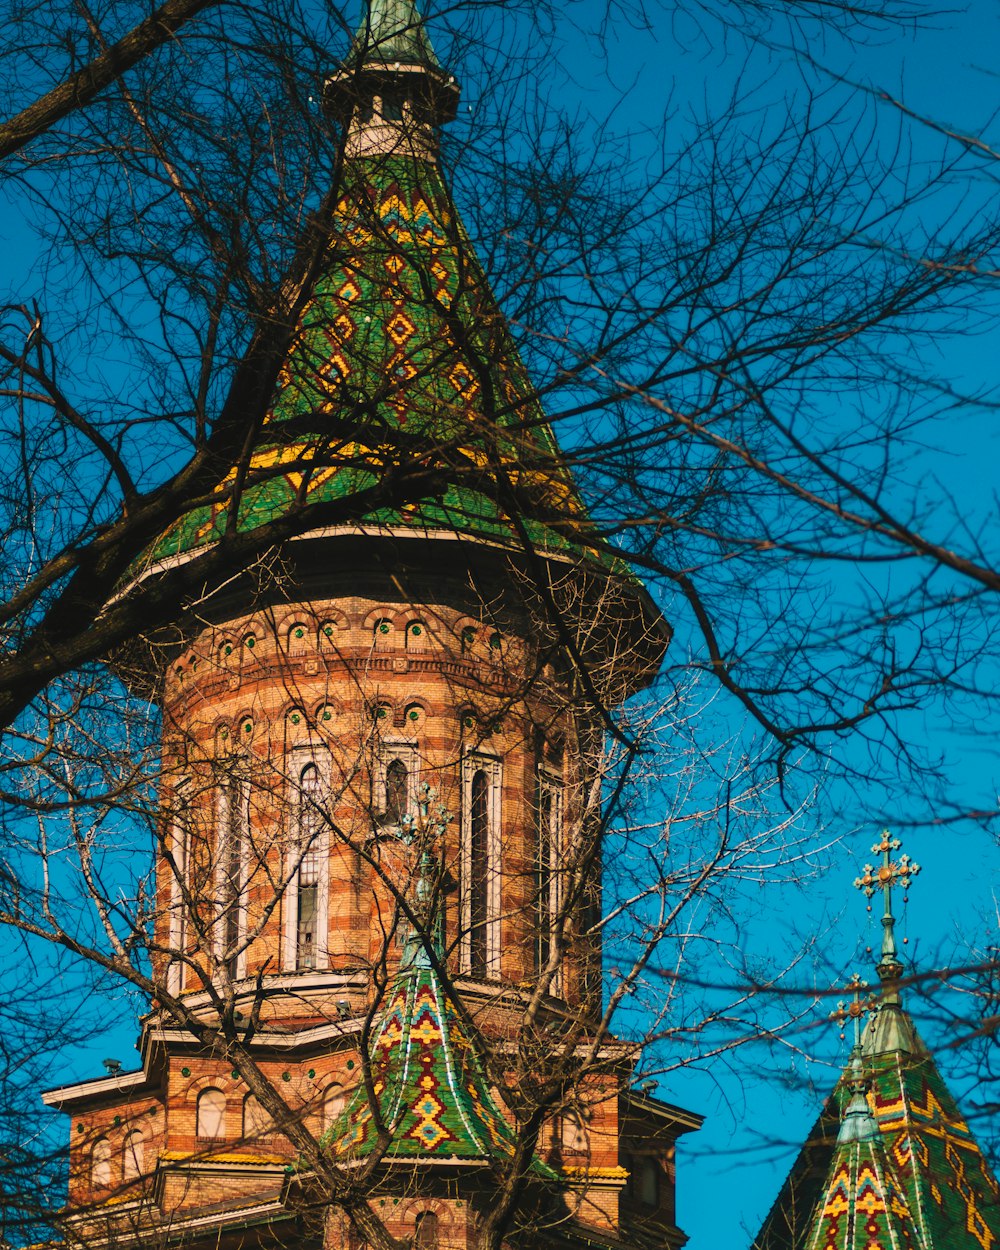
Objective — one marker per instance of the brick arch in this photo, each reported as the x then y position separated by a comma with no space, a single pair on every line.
222,738
297,634
385,612
261,633
318,715
414,715
196,1085
334,620
296,723
469,634
227,658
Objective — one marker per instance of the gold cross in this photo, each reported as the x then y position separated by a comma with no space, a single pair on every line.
887,873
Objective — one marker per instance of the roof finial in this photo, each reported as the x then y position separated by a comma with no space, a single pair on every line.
857,1123
884,877
425,831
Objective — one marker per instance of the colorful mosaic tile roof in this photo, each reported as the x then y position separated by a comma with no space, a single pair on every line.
864,1205
431,1090
401,358
937,1189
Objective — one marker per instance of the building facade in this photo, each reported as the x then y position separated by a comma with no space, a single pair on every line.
376,928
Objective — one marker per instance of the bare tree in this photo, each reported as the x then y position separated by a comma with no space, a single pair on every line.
683,325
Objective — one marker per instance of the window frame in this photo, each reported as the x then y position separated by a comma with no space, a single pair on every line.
301,760
548,783
236,783
223,1112
406,751
179,838
474,762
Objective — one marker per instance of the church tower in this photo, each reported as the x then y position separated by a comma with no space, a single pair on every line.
376,926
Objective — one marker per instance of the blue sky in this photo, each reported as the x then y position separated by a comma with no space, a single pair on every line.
730,1172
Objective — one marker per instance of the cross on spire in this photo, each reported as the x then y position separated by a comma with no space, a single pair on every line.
857,1123
884,878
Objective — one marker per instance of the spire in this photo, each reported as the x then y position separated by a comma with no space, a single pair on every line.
890,1028
390,92
393,31
428,1083
857,1123
891,1162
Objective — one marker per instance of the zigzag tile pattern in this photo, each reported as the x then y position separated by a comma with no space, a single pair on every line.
428,1084
925,1185
402,358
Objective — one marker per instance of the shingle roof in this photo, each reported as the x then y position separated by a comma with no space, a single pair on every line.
925,1182
402,357
429,1084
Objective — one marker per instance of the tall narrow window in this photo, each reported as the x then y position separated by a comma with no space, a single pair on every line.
334,1101
480,865
479,860
133,1156
100,1163
310,826
257,1123
396,791
548,850
231,853
180,886
395,779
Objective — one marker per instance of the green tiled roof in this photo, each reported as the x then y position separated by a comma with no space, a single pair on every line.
863,1205
924,1183
402,358
431,1090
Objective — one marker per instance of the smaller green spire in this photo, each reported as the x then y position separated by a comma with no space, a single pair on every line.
857,1124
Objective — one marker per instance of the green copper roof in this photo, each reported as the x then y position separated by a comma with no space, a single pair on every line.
430,1087
901,1168
402,358
392,32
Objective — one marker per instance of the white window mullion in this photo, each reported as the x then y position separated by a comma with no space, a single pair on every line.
179,842
480,917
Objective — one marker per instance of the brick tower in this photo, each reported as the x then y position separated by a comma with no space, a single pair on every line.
374,938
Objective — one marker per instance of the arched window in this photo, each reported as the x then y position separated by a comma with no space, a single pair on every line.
334,1101
479,852
575,1134
309,852
416,636
257,1123
232,842
100,1163
425,1231
133,1156
211,1114
396,791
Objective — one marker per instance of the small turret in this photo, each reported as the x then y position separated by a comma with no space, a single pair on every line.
390,92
